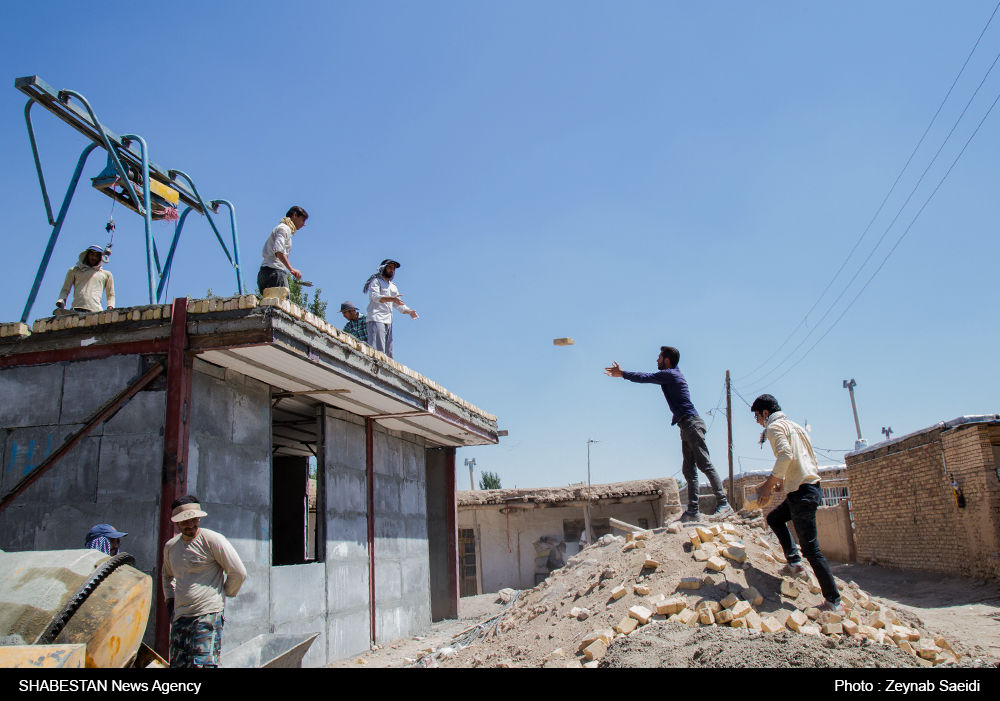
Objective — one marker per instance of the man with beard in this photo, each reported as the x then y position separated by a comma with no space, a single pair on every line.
382,297
88,281
693,447
200,569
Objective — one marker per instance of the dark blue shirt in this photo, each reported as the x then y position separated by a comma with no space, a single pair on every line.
675,389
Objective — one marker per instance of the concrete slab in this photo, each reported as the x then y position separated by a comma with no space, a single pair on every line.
90,383
346,491
347,586
145,413
129,468
412,498
72,478
389,538
237,475
298,593
31,395
416,578
348,635
346,538
386,494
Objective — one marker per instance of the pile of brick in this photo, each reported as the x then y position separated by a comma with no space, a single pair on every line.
111,316
719,547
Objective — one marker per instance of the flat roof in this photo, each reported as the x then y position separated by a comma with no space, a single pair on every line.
943,425
277,343
551,495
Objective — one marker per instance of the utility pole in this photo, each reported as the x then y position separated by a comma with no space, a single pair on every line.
586,509
470,463
861,442
729,422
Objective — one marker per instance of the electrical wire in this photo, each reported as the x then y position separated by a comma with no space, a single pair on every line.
896,245
881,206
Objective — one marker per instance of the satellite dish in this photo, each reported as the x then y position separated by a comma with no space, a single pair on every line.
562,341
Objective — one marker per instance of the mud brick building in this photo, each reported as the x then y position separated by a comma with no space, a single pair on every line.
930,500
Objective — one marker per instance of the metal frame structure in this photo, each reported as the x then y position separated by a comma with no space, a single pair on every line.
120,155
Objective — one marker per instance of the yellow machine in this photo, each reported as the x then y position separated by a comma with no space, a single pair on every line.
53,602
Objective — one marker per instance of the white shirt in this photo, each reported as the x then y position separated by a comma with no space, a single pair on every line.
280,241
381,312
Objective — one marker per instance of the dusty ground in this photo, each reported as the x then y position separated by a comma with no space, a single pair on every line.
539,631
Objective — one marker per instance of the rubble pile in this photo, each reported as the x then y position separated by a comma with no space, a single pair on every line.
685,591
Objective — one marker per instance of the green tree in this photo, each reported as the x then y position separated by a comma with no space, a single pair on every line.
318,307
295,293
489,480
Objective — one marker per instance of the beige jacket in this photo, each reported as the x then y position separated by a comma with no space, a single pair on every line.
88,284
796,461
200,573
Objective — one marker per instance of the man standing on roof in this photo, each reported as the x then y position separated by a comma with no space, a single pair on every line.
276,266
382,296
357,324
88,280
795,470
200,569
693,447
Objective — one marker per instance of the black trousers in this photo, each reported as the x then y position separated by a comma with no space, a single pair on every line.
799,507
271,277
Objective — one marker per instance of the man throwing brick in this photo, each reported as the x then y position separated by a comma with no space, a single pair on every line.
693,447
796,471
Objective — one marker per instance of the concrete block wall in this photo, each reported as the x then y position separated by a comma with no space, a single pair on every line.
229,470
905,511
402,575
112,476
348,629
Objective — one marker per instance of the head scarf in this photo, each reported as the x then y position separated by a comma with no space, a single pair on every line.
380,271
99,543
99,538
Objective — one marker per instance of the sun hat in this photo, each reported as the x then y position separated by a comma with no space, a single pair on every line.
347,307
186,511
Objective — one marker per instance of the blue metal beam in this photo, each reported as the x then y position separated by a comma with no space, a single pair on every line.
147,210
236,241
56,227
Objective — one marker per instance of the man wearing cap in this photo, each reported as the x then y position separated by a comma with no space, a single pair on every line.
200,569
105,538
382,296
357,324
88,281
275,267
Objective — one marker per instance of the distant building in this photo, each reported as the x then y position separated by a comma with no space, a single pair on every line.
507,535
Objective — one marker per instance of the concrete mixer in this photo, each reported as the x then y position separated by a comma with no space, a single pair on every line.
72,597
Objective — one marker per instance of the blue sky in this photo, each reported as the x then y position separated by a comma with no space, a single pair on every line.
626,174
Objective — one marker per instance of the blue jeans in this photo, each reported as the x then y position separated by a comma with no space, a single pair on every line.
799,507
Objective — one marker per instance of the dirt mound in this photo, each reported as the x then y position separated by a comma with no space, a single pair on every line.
548,623
676,645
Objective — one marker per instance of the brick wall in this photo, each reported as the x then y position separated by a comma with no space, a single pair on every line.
905,510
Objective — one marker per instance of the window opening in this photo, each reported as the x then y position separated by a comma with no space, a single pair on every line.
294,481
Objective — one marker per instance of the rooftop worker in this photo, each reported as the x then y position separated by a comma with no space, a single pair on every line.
200,569
693,447
88,280
276,266
104,538
357,324
796,471
382,296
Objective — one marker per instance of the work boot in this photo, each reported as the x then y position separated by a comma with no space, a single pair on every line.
721,512
690,516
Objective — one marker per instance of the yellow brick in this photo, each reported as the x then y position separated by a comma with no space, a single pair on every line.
753,620
651,564
606,635
690,583
723,616
670,606
809,630
833,629
632,545
704,534
796,620
736,553
730,600
641,589
753,596
626,625
618,592
770,624
713,606
716,529
716,564
706,617
702,555
850,627
738,623
595,650
740,609
641,614
812,612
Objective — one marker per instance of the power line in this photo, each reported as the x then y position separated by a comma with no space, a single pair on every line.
893,249
886,232
881,206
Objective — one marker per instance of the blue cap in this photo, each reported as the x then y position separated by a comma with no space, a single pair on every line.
98,249
105,530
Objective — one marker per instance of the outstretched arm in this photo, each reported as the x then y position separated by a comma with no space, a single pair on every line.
615,370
